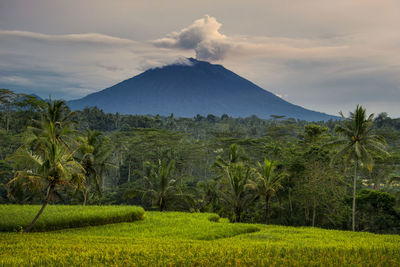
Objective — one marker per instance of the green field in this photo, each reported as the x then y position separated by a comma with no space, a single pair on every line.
191,239
55,217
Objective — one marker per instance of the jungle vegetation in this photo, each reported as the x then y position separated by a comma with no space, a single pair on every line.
335,174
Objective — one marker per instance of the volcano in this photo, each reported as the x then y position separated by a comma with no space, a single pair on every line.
188,89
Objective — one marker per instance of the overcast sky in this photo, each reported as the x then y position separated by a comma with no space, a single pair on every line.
322,55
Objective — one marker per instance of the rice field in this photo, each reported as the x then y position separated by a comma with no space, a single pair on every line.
197,239
54,217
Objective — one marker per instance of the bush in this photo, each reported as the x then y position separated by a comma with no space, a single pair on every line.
376,212
214,218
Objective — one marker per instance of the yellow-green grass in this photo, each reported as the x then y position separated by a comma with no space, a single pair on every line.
54,217
185,239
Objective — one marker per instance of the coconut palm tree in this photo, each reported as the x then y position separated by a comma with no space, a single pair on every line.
268,183
54,167
235,155
160,187
358,144
55,126
94,152
235,182
7,99
46,156
235,192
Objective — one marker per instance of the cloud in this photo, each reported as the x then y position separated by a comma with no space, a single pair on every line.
327,57
73,65
202,36
86,38
153,62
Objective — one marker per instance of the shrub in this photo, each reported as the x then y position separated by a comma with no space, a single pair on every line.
214,218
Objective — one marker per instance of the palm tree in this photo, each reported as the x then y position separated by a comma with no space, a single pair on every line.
159,186
56,126
236,193
94,153
267,184
56,168
7,98
46,156
235,182
236,154
358,144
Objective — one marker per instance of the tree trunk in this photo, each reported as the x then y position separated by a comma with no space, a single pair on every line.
314,210
119,172
86,190
290,202
49,194
267,199
8,118
238,216
103,181
307,213
162,205
354,196
85,196
129,172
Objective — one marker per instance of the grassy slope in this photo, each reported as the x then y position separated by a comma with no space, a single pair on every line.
17,217
191,239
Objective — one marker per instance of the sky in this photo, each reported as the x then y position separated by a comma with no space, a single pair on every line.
323,55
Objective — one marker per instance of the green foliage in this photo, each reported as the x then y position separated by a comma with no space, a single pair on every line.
359,143
46,160
214,218
268,183
160,187
376,212
114,151
94,154
16,217
235,182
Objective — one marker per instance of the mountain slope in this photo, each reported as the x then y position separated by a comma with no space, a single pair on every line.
187,90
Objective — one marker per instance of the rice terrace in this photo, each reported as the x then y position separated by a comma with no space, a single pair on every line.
199,133
191,239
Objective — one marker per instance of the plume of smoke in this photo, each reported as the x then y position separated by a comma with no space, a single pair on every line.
202,36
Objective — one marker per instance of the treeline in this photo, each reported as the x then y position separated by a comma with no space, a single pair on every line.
278,171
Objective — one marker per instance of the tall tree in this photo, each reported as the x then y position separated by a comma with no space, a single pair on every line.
235,182
94,154
268,183
160,187
358,144
55,126
46,157
7,99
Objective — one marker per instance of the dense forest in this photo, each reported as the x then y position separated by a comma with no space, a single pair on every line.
277,171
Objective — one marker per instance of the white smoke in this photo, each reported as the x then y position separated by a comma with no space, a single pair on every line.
203,36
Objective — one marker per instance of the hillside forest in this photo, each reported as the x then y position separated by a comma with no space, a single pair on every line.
342,174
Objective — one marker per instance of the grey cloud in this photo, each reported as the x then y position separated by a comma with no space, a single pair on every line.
333,84
155,62
72,66
84,38
204,38
324,56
